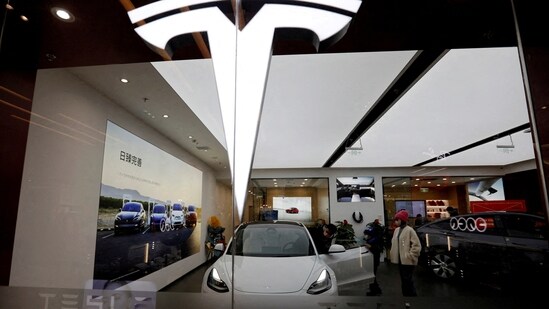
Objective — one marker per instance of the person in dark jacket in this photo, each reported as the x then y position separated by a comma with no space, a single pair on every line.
452,211
323,237
419,221
373,240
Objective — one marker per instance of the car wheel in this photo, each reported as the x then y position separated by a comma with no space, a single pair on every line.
443,266
162,225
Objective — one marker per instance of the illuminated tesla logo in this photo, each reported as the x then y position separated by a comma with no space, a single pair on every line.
244,71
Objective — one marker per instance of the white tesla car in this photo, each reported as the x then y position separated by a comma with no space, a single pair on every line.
279,257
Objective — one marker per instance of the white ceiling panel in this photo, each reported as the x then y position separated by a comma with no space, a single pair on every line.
312,102
469,95
507,150
194,82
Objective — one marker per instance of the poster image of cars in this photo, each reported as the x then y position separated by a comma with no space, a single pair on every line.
135,210
292,210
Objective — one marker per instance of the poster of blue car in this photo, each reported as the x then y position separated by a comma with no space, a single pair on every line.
142,208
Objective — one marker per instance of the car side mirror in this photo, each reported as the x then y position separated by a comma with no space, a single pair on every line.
336,248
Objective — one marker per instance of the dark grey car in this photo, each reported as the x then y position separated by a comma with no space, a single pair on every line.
491,246
132,217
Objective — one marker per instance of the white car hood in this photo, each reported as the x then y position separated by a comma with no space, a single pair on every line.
267,275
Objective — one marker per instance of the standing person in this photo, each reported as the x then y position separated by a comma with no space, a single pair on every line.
419,221
405,250
323,237
373,237
214,236
452,211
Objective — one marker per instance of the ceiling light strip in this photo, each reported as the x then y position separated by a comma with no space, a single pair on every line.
420,64
432,172
478,143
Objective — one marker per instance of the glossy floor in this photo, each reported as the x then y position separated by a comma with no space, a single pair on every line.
432,292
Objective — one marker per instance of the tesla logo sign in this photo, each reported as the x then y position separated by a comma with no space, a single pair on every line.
241,76
96,299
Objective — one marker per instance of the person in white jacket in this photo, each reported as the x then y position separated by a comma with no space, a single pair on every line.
405,250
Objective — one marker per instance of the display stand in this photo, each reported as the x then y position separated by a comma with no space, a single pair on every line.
436,209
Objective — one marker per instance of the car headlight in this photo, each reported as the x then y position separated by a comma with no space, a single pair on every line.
216,283
117,218
322,284
136,218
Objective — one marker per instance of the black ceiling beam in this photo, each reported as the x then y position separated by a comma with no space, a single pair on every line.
420,64
478,143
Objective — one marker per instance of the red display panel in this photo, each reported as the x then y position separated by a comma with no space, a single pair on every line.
507,205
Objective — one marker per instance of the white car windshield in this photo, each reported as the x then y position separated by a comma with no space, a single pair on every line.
272,240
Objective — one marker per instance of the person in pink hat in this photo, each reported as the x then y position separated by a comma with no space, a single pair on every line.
405,250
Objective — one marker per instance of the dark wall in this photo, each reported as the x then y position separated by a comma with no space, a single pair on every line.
525,186
16,88
533,24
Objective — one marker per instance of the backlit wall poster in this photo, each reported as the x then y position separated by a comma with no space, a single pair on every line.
486,190
356,189
293,208
149,210
414,208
